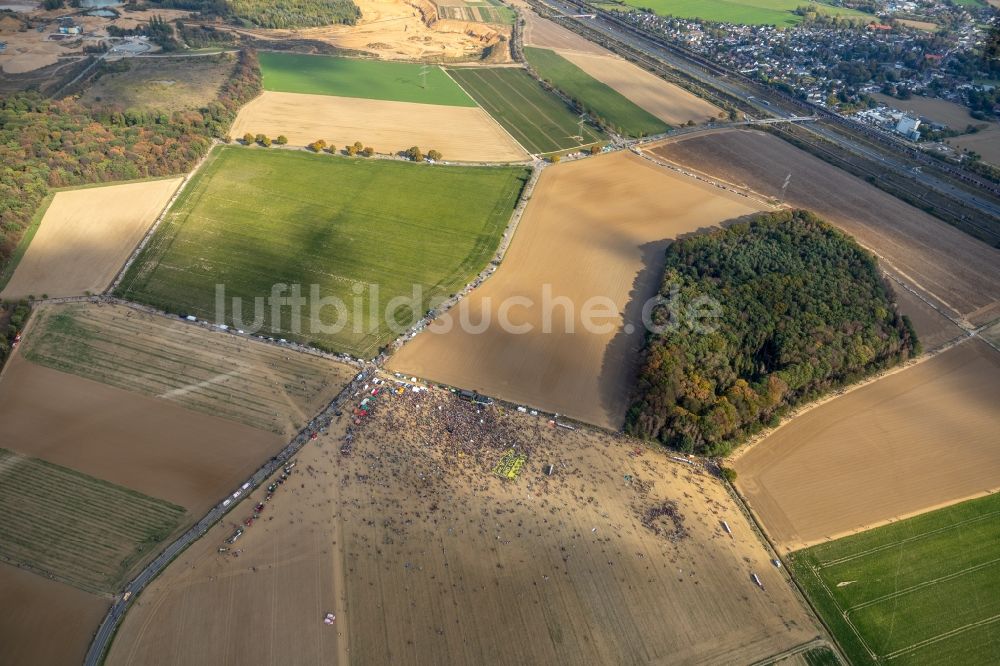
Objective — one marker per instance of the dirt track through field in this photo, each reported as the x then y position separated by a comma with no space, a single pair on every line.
958,271
44,622
916,439
149,445
85,237
444,563
593,228
669,103
463,134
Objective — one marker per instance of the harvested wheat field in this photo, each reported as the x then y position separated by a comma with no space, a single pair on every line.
32,607
959,272
594,229
425,557
86,236
668,102
913,440
149,445
465,134
262,386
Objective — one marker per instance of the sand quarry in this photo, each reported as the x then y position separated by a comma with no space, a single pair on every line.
403,30
425,557
464,134
86,236
593,228
956,271
918,438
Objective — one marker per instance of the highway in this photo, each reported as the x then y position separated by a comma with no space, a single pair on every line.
102,639
749,92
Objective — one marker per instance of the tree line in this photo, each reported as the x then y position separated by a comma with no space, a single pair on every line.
57,143
802,310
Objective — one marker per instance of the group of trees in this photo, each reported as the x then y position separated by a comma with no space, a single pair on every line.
414,153
55,143
354,149
263,140
802,310
158,30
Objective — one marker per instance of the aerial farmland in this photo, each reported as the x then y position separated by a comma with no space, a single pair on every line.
498,332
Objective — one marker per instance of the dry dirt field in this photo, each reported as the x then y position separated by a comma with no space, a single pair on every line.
958,271
397,30
32,607
986,143
149,445
908,442
951,114
167,84
593,228
263,386
669,103
465,134
85,238
933,328
425,557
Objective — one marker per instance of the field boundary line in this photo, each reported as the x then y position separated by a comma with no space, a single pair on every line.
488,114
876,549
941,637
922,585
843,614
159,219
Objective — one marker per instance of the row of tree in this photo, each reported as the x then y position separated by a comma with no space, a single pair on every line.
57,143
800,309
273,13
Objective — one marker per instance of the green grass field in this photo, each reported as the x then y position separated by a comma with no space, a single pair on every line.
371,79
81,530
539,120
749,12
253,218
600,100
921,591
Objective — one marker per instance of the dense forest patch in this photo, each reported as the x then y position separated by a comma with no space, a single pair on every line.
273,13
802,309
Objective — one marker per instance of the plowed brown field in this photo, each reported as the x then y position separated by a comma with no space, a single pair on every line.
426,558
593,228
85,237
464,134
919,438
149,445
959,272
32,607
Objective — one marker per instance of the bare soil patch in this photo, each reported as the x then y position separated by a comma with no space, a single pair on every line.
425,557
86,236
167,84
951,114
668,102
593,228
548,34
149,445
32,606
911,441
263,386
985,142
955,270
464,134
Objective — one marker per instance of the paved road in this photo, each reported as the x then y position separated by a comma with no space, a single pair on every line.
748,91
105,632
